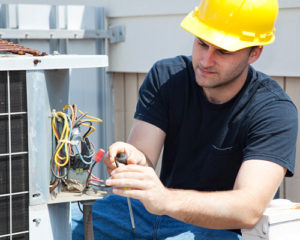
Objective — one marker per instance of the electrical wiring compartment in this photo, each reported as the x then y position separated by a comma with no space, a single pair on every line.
56,170
75,154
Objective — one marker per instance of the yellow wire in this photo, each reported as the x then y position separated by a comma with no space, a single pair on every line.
63,137
54,126
72,111
87,125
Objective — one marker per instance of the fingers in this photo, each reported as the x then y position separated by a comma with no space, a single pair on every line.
132,176
137,194
134,155
129,184
110,156
128,175
117,147
132,171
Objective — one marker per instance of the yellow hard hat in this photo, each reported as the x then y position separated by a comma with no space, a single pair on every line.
233,24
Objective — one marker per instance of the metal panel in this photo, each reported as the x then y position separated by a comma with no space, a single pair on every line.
44,222
52,62
39,17
55,34
81,17
46,90
8,16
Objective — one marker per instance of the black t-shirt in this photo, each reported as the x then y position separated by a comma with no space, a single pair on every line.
206,143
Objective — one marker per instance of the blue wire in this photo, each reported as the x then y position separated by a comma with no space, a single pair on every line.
81,158
91,156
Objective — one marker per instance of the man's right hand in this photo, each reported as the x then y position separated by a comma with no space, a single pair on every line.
134,155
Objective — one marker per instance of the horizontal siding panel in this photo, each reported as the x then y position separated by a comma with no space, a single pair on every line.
279,80
148,39
119,126
119,94
130,91
292,189
128,121
292,184
141,77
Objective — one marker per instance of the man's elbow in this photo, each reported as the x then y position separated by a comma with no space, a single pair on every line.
251,217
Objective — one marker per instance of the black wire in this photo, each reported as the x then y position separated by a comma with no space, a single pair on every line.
80,207
85,121
90,173
100,185
90,146
60,177
54,173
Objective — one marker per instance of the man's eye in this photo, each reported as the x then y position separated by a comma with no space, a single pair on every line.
224,52
202,43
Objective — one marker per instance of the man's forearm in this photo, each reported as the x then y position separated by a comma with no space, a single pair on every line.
218,210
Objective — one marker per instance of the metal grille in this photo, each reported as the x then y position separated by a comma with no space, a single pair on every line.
14,187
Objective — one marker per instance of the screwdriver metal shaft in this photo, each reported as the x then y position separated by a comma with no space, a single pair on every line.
131,214
121,157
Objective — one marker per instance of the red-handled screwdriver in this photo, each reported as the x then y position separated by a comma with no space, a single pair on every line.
122,158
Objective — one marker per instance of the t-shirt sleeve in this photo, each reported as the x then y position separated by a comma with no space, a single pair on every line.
272,135
152,106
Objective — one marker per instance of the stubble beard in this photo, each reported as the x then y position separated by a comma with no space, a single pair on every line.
218,81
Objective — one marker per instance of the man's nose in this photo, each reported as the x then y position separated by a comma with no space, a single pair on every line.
208,57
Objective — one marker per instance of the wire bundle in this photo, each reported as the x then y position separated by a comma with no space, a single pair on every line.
72,149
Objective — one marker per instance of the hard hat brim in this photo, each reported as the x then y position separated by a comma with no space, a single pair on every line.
217,37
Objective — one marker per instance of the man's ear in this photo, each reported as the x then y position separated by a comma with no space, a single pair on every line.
255,53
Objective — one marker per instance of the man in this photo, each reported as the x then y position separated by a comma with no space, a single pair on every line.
228,131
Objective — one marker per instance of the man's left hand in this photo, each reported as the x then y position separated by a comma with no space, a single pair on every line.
141,183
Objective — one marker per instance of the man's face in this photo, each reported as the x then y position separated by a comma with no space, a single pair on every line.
217,68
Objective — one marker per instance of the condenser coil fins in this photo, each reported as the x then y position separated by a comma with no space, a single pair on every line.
14,187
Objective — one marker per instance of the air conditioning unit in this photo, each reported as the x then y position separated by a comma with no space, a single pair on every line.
30,88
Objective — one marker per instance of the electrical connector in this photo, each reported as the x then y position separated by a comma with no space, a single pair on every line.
99,155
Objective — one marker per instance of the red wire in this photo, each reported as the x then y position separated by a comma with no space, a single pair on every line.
96,180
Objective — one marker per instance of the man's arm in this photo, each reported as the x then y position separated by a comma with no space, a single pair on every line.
255,186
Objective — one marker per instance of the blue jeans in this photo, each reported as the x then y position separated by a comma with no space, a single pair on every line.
111,221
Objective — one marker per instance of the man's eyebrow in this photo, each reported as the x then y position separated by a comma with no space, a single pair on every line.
217,48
